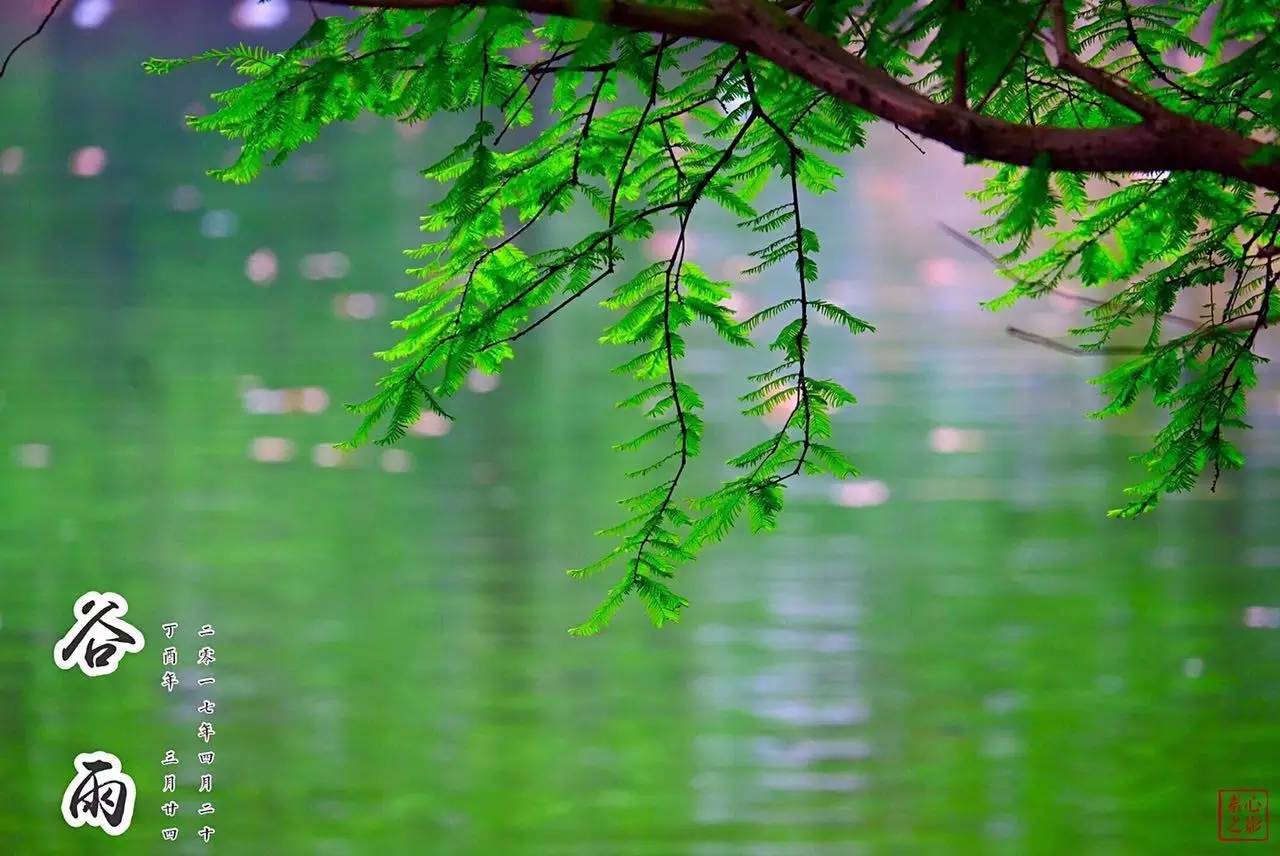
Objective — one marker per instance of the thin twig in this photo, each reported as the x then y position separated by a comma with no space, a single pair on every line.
1060,292
40,29
907,137
1063,348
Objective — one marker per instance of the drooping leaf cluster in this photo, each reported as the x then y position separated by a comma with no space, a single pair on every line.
644,131
1156,239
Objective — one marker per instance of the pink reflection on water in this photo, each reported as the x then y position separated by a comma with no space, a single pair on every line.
430,425
940,271
88,161
261,267
271,450
11,160
481,382
946,440
862,493
1262,617
331,265
324,455
357,306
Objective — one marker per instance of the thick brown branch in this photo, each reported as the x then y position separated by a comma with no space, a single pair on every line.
960,75
1166,142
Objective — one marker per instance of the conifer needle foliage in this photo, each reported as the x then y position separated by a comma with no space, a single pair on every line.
644,130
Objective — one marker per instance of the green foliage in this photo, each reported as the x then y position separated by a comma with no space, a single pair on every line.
644,131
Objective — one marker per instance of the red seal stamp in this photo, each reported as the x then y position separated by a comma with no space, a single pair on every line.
1243,815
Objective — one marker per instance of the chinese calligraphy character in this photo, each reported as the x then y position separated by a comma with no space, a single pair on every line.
206,783
206,757
101,795
169,834
205,630
205,707
1243,815
170,656
99,639
170,784
170,808
205,808
169,680
205,731
170,757
204,656
204,682
205,832
169,628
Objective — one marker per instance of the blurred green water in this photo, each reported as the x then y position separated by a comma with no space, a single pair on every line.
975,661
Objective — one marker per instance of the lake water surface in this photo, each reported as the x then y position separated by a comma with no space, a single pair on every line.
957,653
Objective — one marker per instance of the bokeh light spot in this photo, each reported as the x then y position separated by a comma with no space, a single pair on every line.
88,161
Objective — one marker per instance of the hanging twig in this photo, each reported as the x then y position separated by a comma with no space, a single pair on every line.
40,29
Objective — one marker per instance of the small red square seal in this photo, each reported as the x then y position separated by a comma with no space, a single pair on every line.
1244,814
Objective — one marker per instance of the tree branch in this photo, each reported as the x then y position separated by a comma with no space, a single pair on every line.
960,75
1169,141
1068,61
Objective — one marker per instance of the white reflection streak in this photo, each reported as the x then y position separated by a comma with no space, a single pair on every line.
804,699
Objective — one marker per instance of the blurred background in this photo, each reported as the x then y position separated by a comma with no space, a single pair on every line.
956,652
